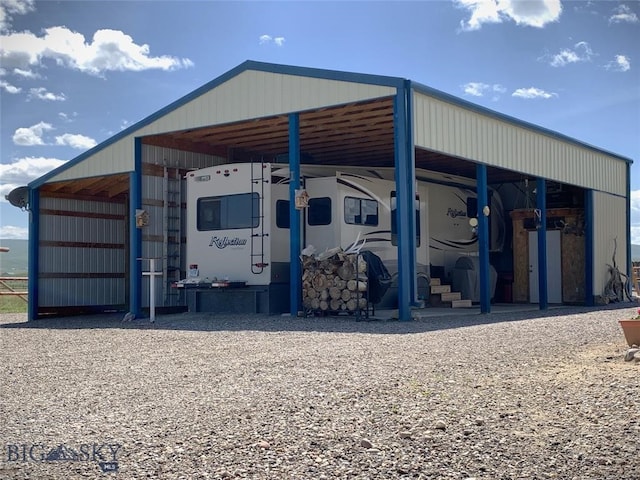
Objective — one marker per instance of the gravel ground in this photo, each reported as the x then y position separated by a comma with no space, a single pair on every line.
498,396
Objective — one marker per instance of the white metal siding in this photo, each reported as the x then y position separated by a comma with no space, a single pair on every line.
255,94
170,157
609,213
251,94
119,158
454,130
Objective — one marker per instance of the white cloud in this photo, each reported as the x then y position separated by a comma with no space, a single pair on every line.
7,87
24,170
620,63
25,73
41,93
475,89
581,53
109,50
78,141
68,117
531,13
10,232
479,89
623,13
268,39
532,92
8,8
29,136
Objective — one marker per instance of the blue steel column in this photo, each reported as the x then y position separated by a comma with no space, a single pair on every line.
295,271
34,241
588,248
411,166
135,234
628,205
541,204
405,209
483,238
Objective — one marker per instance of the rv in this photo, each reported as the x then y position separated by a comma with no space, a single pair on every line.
238,221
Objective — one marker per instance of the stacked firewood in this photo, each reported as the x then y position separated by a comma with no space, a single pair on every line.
334,282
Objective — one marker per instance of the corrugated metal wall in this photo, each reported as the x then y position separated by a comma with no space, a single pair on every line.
82,253
155,201
454,130
251,94
609,213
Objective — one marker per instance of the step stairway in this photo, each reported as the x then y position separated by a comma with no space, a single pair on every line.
442,296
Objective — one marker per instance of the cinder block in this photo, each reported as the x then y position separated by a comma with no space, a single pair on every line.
461,304
440,288
450,296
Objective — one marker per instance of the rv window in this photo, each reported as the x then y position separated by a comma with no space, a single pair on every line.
282,214
394,226
228,212
360,211
319,211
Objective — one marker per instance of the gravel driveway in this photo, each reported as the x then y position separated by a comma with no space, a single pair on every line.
498,396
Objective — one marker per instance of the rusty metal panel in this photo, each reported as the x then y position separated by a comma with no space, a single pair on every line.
466,133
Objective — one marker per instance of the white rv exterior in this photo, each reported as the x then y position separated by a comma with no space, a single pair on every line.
238,218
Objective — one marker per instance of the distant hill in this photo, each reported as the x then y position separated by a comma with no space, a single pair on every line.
16,261
635,253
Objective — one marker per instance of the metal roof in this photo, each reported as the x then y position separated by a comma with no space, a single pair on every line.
355,133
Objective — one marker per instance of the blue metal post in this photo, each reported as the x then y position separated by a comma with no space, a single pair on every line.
405,204
483,238
541,204
588,248
294,215
135,234
629,265
34,240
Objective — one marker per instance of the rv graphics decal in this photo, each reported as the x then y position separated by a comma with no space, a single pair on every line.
456,212
227,242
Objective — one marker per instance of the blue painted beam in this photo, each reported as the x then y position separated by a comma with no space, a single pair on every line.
135,234
588,248
483,238
33,246
295,269
541,204
629,265
405,204
411,174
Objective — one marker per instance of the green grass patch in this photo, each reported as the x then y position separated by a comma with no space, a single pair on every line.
12,304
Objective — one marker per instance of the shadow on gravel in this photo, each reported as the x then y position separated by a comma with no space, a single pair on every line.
209,322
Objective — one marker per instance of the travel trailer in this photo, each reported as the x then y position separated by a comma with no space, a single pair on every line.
238,221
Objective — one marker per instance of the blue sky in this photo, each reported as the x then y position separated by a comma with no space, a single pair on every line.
72,74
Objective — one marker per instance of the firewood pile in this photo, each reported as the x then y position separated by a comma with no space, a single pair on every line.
334,282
